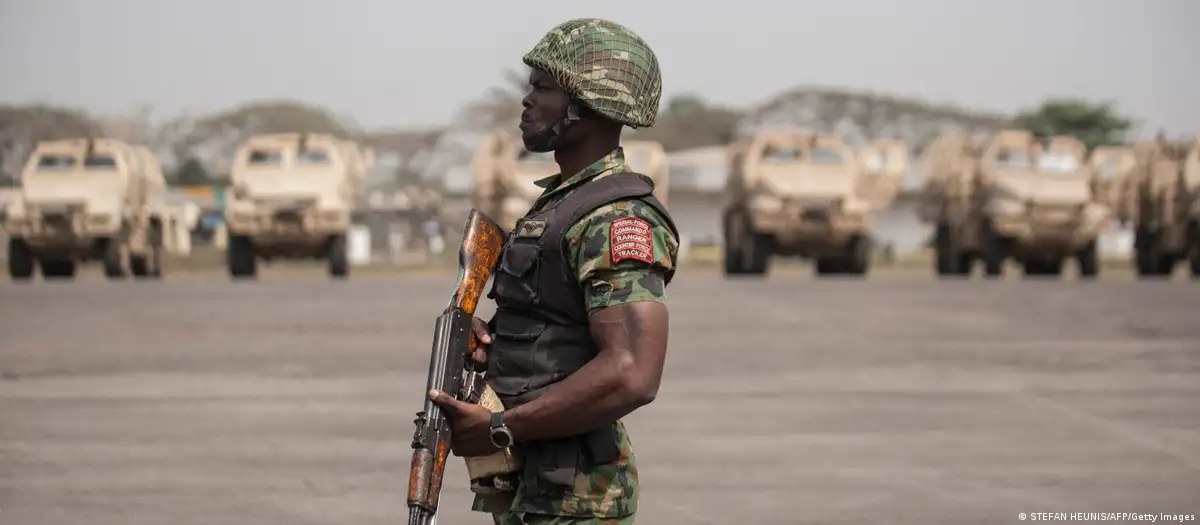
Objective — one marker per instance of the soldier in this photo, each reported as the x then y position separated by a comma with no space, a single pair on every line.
580,332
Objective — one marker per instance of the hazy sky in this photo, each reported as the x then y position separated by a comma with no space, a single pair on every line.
404,63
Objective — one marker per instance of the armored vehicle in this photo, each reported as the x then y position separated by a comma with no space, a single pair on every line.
89,199
808,195
504,174
1162,200
1013,196
293,196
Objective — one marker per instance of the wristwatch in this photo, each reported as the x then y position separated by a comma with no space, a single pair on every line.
501,436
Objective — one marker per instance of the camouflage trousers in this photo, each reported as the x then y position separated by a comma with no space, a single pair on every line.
514,518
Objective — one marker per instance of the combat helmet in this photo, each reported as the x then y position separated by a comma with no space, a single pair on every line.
603,65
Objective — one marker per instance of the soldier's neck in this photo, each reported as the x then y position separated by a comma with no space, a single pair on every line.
577,157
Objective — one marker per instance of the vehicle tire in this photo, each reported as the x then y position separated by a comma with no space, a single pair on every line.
759,253
21,261
1089,262
240,258
1194,251
149,265
993,251
858,255
113,269
1149,260
945,261
339,264
732,245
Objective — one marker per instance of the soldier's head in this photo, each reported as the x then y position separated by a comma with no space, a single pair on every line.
590,77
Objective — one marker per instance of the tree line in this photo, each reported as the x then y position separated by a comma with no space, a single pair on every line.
195,150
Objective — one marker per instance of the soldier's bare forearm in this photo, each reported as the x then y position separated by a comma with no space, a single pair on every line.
624,376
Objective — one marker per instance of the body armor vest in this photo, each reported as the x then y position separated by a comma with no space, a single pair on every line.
540,330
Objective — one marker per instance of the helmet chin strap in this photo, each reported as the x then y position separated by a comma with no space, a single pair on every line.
546,139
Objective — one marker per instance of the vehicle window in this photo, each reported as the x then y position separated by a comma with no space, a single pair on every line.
265,157
1058,162
778,155
55,162
824,157
312,157
1014,159
99,161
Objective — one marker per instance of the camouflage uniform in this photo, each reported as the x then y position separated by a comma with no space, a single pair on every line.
622,251
605,494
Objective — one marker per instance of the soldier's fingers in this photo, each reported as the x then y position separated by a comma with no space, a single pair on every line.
479,356
481,331
444,400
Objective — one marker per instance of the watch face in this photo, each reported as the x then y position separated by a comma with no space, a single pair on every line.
501,438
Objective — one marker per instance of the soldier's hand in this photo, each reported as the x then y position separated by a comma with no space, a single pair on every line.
470,425
479,351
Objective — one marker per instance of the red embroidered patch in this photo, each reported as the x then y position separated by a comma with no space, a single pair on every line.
629,238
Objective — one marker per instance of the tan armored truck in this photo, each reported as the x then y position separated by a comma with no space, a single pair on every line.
808,195
293,196
1013,196
504,174
89,199
1162,201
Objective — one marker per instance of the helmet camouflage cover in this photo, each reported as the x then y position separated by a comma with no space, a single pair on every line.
603,65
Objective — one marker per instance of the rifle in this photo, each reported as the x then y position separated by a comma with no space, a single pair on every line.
450,370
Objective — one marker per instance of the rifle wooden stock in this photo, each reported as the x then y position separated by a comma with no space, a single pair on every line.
450,369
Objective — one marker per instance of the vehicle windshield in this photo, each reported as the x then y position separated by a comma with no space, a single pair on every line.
1058,162
52,161
777,155
1014,159
824,157
312,157
99,161
262,157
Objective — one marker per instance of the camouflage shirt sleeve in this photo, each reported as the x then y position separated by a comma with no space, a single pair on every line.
621,253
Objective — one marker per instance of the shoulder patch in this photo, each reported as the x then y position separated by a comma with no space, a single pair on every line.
629,238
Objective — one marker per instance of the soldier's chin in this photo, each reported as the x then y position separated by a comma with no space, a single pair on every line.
537,143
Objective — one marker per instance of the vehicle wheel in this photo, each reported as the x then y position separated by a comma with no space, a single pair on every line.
53,270
858,256
993,251
1089,263
1148,258
945,260
113,269
20,260
1194,251
240,258
759,256
339,265
149,265
732,246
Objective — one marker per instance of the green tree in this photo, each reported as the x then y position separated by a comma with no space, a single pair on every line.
1096,124
191,173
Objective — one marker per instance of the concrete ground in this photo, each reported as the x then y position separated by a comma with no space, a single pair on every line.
785,401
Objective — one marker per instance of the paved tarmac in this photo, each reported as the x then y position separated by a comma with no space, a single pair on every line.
785,401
